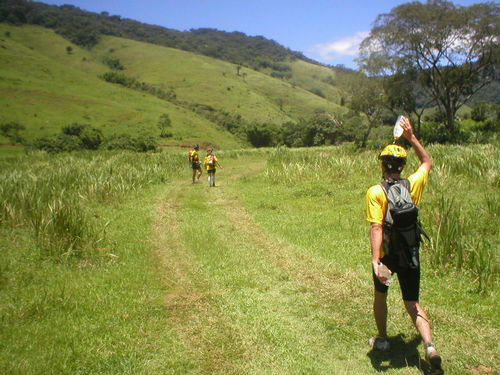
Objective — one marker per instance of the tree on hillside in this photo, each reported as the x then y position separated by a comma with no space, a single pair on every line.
369,100
164,123
454,50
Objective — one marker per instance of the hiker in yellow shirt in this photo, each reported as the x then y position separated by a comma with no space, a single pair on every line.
194,160
211,163
393,159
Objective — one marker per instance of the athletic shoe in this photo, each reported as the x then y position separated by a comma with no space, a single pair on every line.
432,356
380,343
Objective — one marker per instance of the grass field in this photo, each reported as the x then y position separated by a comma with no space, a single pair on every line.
268,273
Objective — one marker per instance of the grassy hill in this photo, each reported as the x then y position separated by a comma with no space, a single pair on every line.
45,87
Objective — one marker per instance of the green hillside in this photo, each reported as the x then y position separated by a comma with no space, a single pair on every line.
45,87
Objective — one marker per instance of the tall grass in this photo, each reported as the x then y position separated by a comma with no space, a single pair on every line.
460,206
52,196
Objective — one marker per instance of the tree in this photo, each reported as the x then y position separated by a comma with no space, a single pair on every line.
401,90
163,123
368,99
479,111
455,50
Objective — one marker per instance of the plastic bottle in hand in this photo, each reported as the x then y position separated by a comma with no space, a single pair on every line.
385,272
398,129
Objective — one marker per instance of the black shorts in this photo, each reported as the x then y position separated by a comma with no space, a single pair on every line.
211,171
409,279
195,166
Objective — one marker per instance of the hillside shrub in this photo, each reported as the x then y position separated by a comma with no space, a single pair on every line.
58,143
127,142
317,92
12,130
74,137
91,138
261,134
113,63
281,75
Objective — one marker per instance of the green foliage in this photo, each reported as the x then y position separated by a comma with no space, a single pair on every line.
297,134
317,92
414,37
127,142
163,124
437,132
91,138
12,131
113,63
75,129
132,83
58,143
261,135
74,137
317,131
120,79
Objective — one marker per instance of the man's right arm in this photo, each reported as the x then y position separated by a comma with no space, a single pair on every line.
422,154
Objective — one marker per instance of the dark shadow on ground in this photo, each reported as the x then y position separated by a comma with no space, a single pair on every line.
402,354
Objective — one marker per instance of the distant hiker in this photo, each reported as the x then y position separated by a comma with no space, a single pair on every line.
194,159
390,255
211,163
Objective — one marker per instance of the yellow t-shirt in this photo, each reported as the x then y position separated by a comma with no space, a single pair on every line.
208,165
376,200
194,156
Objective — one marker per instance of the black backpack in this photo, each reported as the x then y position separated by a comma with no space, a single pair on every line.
402,229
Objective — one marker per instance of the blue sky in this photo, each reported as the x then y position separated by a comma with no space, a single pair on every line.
328,31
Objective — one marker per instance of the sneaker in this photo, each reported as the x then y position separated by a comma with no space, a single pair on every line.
380,343
432,356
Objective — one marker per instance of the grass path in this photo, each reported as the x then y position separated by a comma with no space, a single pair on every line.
244,301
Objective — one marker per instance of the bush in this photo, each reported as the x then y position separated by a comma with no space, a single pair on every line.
299,134
91,138
432,132
317,92
12,131
127,142
479,111
261,135
113,63
119,142
74,129
58,143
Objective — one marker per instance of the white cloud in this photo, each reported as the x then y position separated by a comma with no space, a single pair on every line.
344,47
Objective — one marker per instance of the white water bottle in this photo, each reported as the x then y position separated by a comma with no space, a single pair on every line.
386,273
398,129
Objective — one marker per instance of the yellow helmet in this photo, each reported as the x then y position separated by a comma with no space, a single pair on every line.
394,151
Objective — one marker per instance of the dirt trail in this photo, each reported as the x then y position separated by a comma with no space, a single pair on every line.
193,306
189,307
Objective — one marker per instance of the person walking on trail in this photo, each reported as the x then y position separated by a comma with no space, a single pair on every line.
211,163
194,159
386,262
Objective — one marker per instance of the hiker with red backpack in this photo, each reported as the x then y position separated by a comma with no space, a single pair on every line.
392,211
211,163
